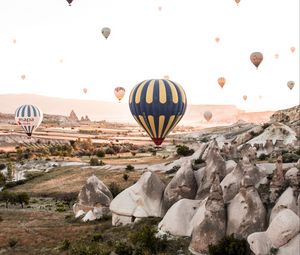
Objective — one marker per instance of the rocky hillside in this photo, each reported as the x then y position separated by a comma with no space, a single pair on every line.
290,116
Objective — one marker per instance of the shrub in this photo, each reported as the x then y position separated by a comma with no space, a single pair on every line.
100,153
65,245
83,248
2,166
133,153
12,243
204,140
263,156
110,151
97,237
123,248
115,189
183,150
199,161
96,162
129,168
2,179
125,177
290,157
230,246
22,198
173,170
274,251
145,240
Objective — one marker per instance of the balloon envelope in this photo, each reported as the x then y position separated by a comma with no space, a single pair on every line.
217,39
237,1
293,49
85,90
157,106
119,93
221,81
207,115
69,1
29,117
291,84
245,97
106,32
23,77
256,58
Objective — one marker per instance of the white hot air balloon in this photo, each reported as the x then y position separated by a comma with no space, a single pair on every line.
29,117
106,32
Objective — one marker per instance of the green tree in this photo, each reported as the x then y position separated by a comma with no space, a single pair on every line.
22,198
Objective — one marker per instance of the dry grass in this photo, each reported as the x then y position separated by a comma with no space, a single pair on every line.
38,232
72,178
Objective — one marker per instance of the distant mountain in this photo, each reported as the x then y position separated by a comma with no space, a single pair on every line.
119,112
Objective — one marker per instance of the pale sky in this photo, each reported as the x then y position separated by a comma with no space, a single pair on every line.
146,43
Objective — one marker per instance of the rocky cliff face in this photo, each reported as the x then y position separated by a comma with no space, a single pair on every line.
290,117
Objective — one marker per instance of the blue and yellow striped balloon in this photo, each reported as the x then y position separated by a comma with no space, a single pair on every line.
157,106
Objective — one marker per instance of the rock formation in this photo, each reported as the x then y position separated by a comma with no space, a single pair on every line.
181,213
215,164
73,117
246,212
210,220
93,200
284,227
141,200
183,185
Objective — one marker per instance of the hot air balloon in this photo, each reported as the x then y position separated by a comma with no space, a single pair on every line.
61,61
276,56
256,58
23,76
119,93
14,41
166,77
106,32
29,117
237,1
245,97
293,49
159,8
221,81
217,39
85,90
291,84
207,115
157,106
69,1
260,97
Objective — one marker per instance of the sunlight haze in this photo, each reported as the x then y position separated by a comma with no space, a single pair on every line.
145,43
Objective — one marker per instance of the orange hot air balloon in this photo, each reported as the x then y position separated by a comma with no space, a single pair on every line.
119,93
245,97
293,49
256,58
23,76
221,81
237,1
85,90
217,39
207,115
